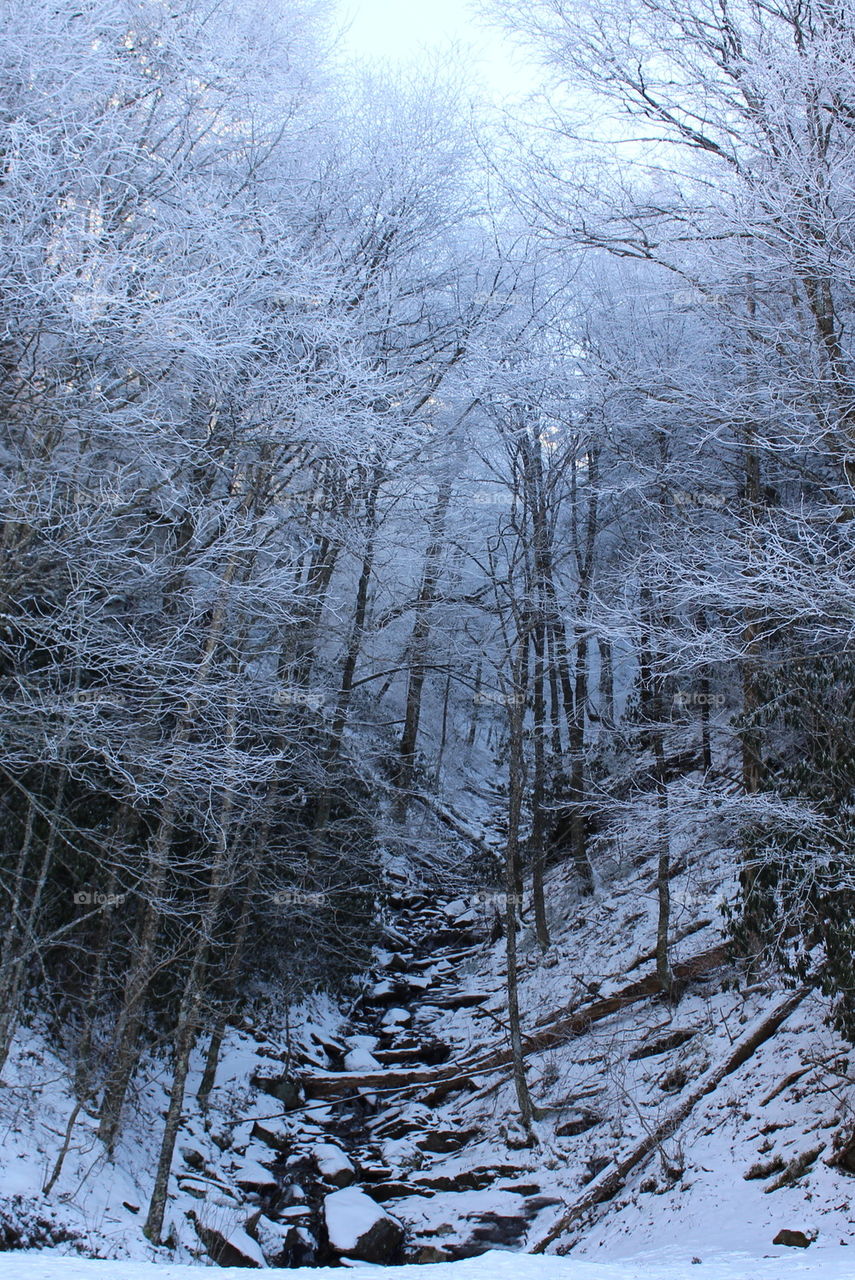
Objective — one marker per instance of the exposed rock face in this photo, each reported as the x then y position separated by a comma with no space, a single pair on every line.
358,1228
844,1157
577,1124
663,1044
445,1140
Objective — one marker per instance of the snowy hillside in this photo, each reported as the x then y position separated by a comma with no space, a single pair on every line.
427,642
396,1136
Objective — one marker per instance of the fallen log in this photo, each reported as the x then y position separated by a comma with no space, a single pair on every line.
683,971
611,1179
678,937
446,815
455,823
565,1026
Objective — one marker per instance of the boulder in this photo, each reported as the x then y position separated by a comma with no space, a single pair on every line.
392,1190
456,908
272,1134
211,1190
442,1141
431,1253
425,1053
229,1245
252,1176
193,1158
500,1228
396,1017
458,999
282,1088
333,1048
358,1228
275,1238
385,989
456,1084
465,1179
361,1059
333,1164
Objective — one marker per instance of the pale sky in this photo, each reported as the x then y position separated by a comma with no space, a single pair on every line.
405,31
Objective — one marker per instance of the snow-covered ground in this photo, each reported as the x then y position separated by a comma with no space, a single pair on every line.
827,1264
833,1264
754,1157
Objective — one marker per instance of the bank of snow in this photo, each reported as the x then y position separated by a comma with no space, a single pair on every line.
823,1264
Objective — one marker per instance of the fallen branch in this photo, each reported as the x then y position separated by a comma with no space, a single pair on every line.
785,1084
683,971
565,1026
678,937
611,1179
457,824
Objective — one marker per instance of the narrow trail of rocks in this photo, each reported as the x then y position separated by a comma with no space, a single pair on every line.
343,1165
384,1141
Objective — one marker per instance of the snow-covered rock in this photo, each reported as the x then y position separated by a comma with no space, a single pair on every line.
209,1189
396,1018
227,1243
359,1228
333,1164
360,1058
252,1176
272,1236
272,1134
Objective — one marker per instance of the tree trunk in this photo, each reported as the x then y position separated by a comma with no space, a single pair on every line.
516,788
538,790
129,1023
607,682
15,970
609,1182
218,1031
476,694
354,646
143,964
188,1023
706,737
419,640
655,717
